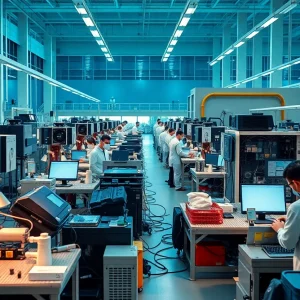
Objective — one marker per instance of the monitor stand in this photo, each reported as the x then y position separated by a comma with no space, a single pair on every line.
262,219
63,184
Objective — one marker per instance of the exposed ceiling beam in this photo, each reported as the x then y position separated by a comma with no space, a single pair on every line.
51,3
116,3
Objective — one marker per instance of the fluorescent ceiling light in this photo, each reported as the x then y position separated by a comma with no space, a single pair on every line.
35,76
88,21
109,59
170,49
289,8
12,67
251,35
95,33
268,73
167,54
104,49
53,83
190,10
100,42
107,54
284,67
237,84
178,33
221,57
165,59
229,51
184,21
255,78
269,22
247,80
81,10
239,44
296,63
173,42
74,93
213,63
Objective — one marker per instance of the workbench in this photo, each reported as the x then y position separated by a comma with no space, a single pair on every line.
200,177
78,188
11,285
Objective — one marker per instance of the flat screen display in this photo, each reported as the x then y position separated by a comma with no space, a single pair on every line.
64,170
275,168
78,154
55,200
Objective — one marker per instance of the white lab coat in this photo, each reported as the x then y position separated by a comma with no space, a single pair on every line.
154,128
134,130
168,139
161,138
120,135
163,148
97,156
175,155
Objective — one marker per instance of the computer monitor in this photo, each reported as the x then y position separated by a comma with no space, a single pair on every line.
78,154
64,171
214,159
266,199
186,150
275,167
131,148
120,155
112,142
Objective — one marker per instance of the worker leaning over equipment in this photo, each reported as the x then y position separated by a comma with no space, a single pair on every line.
175,156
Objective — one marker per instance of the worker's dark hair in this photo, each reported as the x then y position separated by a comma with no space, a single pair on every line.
179,132
105,137
119,127
171,130
125,122
292,171
137,123
91,140
166,127
157,120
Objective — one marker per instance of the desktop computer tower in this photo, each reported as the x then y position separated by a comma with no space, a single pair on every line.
120,273
62,135
84,128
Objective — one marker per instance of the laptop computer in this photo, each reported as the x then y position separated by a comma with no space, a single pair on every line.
112,142
266,238
78,154
120,155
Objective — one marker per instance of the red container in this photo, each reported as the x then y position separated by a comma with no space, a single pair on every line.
210,254
209,216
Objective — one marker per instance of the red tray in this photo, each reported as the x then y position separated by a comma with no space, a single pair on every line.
210,216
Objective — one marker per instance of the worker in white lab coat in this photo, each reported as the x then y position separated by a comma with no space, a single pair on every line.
134,130
100,154
165,145
160,128
161,142
120,133
154,132
90,144
175,156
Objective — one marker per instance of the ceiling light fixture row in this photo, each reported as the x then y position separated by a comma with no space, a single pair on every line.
87,17
185,17
35,74
256,29
266,73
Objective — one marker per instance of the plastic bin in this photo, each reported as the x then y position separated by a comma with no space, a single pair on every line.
291,285
210,216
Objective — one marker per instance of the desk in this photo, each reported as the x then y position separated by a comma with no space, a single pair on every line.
78,188
185,161
196,176
84,166
196,233
11,285
254,264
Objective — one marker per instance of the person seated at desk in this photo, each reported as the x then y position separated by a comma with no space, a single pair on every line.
134,130
288,228
100,154
90,144
175,156
120,133
189,143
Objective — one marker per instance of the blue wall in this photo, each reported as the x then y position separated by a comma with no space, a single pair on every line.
131,91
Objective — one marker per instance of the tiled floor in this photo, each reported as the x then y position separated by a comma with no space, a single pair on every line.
173,286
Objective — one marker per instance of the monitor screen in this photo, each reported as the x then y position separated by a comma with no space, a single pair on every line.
64,170
275,168
120,155
221,161
211,159
264,198
112,142
78,154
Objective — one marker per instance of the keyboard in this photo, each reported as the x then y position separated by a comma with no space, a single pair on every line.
276,251
85,221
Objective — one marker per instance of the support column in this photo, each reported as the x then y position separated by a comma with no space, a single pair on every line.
226,70
2,102
23,100
216,69
54,89
241,55
48,69
276,46
257,55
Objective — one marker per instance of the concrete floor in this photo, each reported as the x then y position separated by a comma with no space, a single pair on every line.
173,286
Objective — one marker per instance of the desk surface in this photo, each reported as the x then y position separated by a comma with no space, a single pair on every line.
188,160
207,174
78,188
10,284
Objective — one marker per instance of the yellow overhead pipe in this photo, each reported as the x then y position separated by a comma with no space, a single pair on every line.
276,95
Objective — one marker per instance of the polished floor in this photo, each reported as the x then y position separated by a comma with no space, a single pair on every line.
172,286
